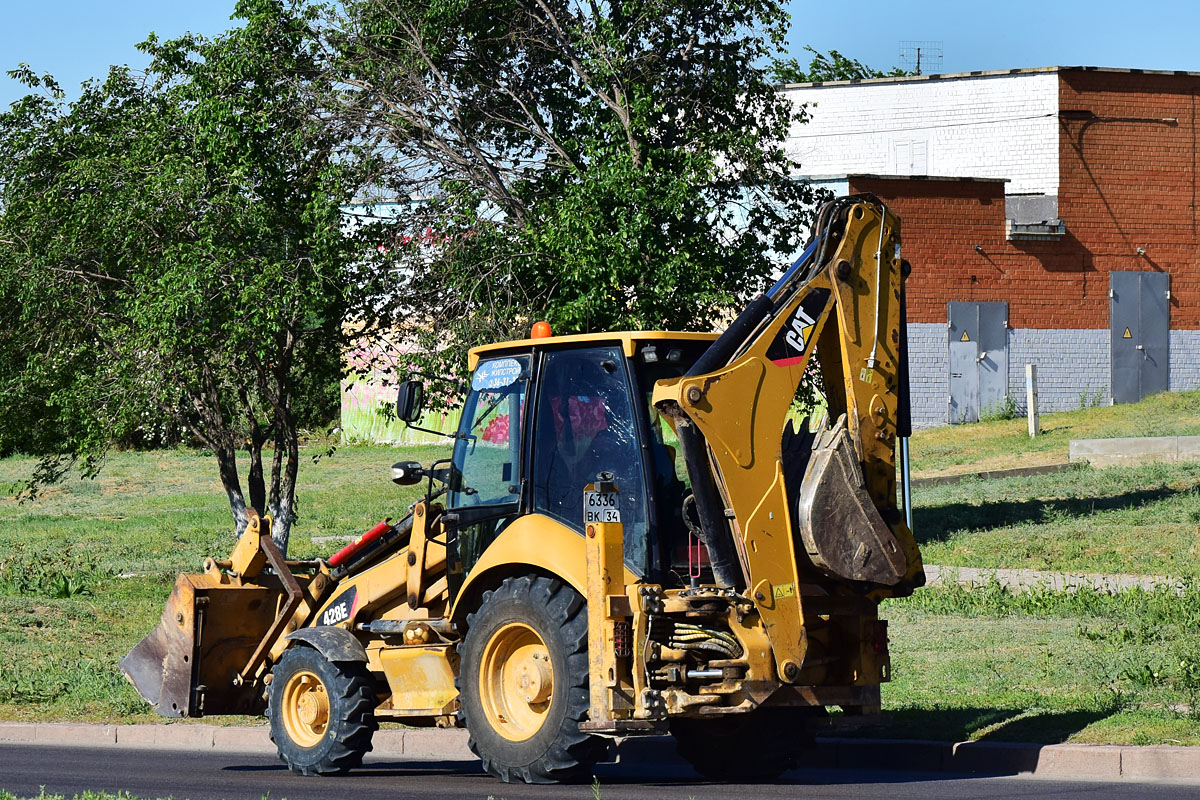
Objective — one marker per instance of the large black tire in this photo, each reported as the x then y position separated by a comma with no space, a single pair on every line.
520,728
757,746
305,686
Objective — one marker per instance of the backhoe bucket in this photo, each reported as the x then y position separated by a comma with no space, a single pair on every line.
209,630
842,530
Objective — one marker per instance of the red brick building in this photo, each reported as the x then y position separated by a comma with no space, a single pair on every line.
1062,231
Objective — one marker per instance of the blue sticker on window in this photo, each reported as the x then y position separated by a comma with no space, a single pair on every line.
496,374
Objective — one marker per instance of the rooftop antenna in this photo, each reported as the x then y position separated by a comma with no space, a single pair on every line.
921,57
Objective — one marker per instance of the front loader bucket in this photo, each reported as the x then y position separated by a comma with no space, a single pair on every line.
186,667
159,667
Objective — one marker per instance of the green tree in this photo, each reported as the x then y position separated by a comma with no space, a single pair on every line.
172,252
600,165
831,66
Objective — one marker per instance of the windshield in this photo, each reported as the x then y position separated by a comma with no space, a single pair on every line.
488,452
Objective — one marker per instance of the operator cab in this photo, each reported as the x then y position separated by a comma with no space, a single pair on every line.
545,417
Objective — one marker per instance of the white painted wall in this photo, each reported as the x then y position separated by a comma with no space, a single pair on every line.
991,126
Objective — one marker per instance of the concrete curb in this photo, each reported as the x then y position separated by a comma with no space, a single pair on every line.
991,474
1058,761
1024,580
1134,450
442,745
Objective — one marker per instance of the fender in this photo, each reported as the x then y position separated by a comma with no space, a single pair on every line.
536,541
336,644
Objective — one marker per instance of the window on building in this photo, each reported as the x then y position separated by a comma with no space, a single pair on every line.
912,157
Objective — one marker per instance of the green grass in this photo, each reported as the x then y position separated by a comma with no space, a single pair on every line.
1123,519
1001,444
983,663
85,569
1048,667
163,511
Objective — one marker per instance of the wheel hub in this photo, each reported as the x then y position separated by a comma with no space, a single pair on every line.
305,710
535,678
314,709
516,681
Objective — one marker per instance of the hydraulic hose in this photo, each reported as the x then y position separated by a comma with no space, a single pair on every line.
873,360
720,352
715,529
903,401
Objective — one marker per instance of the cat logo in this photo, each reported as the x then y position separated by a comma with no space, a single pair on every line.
802,325
792,339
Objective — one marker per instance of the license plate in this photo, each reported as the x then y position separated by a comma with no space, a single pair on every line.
601,507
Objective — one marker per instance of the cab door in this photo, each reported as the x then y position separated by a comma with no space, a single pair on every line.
489,455
584,425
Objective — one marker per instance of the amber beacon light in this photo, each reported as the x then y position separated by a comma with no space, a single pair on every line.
541,330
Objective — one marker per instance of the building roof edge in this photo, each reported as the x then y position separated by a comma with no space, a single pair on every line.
993,73
841,176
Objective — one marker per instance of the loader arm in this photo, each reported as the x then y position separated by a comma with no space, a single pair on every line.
802,515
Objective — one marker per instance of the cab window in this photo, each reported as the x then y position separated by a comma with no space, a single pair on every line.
487,454
584,426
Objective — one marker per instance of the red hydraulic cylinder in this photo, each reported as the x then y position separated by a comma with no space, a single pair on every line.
340,557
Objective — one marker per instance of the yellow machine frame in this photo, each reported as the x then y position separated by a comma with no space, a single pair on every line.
396,615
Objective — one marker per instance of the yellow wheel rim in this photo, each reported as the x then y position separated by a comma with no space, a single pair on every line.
516,681
305,708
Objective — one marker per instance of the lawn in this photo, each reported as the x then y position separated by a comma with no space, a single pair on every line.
1013,676
1140,519
1005,444
86,567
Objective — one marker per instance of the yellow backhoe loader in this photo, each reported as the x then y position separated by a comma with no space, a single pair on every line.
632,536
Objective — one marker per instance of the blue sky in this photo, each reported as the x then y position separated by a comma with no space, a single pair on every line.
1159,34
78,39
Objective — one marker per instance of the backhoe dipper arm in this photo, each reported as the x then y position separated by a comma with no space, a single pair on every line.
803,508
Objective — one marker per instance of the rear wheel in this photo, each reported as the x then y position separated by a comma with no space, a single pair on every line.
523,682
321,712
760,745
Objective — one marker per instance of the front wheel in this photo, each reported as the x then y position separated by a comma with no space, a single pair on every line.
322,712
524,682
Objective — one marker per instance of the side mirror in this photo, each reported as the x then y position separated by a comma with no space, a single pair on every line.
410,399
407,473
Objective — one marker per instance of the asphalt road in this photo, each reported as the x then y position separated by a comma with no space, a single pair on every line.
25,770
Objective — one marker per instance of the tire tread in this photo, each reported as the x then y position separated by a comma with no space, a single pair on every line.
573,753
352,735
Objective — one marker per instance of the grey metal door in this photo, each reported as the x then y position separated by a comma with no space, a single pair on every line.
1139,312
978,342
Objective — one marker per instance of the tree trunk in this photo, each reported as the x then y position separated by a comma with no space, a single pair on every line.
284,467
254,481
255,484
283,513
227,467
